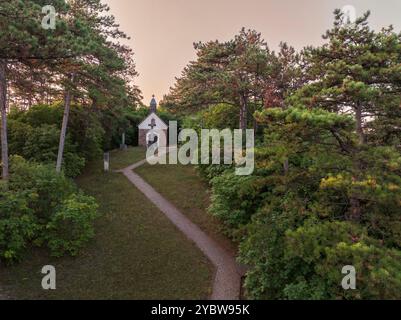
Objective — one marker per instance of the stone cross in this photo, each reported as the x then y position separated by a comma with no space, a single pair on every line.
123,146
152,124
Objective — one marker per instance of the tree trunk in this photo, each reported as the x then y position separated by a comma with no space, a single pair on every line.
3,106
355,204
356,212
63,133
243,115
286,166
359,125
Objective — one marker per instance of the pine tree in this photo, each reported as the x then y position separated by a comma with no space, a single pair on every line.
103,74
24,42
356,72
80,56
284,78
231,72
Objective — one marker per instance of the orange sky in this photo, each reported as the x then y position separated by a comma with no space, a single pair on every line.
163,31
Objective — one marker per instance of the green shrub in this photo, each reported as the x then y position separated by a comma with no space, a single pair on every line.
236,198
39,115
18,225
71,227
40,207
18,135
326,247
42,146
86,134
263,248
327,203
292,259
209,172
34,134
41,180
73,164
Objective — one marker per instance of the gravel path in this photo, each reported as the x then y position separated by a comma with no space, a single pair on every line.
227,282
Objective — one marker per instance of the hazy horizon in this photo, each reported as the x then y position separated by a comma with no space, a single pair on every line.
163,32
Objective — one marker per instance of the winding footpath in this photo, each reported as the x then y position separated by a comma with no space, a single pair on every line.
227,281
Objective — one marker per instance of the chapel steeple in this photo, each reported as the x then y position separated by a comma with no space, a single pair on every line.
153,105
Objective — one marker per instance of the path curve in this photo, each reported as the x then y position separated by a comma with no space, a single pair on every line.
227,281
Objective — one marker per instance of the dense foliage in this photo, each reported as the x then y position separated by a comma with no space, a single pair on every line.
327,186
240,75
80,60
43,208
34,133
66,95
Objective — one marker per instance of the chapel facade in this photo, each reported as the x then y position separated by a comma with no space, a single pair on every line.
153,130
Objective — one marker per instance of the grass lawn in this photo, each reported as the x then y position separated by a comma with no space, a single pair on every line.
182,186
122,159
137,252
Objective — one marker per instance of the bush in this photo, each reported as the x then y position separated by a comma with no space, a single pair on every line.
34,134
18,225
209,172
39,115
18,134
326,247
41,207
71,227
315,208
86,134
305,262
263,248
73,164
40,144
236,198
42,181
